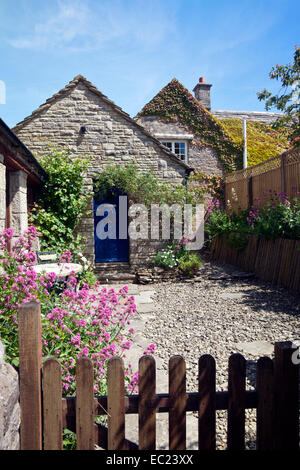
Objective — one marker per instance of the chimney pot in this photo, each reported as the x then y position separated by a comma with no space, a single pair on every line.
201,79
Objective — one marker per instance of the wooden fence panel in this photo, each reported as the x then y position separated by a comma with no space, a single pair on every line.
85,431
30,353
292,173
236,402
177,397
276,261
207,403
279,174
115,402
284,275
52,405
262,184
147,403
237,192
265,404
295,281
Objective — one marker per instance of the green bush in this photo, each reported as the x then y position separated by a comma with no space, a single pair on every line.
279,217
177,255
62,201
143,187
189,263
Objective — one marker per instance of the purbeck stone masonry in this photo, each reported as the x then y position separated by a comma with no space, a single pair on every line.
110,136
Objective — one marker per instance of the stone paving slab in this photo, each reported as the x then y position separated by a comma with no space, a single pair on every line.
162,430
260,348
144,308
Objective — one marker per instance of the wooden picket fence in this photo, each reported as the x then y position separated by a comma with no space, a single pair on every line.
44,413
280,174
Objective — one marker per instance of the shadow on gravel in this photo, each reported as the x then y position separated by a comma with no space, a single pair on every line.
265,297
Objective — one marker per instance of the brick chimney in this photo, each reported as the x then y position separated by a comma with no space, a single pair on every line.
202,92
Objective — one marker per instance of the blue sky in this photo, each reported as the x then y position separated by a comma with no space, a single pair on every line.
130,49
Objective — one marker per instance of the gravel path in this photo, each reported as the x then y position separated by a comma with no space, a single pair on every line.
212,316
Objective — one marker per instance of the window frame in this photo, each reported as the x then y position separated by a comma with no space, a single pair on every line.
172,149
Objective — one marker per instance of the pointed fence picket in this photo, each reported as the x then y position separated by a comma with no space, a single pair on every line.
275,399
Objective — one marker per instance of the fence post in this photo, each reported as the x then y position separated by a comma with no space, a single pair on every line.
283,179
30,354
250,191
286,378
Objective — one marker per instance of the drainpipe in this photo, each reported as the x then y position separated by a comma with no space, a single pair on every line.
245,143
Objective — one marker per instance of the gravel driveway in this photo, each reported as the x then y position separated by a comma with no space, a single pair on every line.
214,315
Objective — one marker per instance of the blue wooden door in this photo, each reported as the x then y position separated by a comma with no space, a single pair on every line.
110,244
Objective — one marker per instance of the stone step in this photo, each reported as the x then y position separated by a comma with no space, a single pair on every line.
112,267
117,277
114,272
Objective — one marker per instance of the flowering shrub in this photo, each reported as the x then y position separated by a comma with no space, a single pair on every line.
89,323
279,217
177,255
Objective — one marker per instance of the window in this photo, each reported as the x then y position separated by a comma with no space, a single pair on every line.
179,148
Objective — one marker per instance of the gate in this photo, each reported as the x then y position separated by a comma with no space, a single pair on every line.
44,413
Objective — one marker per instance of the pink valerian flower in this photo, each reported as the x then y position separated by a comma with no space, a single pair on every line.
133,385
65,257
150,349
90,323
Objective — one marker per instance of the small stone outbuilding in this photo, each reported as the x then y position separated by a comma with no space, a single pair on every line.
20,177
80,119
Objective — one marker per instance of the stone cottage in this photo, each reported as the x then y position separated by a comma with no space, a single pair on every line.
210,141
183,124
82,120
20,177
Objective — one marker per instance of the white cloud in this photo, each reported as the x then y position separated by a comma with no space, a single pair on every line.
78,25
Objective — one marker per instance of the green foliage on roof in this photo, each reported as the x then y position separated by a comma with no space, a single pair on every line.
175,103
263,142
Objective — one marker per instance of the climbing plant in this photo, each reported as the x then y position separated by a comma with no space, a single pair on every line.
208,184
62,201
142,187
175,103
263,141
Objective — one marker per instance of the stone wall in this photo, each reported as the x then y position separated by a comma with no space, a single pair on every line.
2,194
9,405
111,136
18,201
205,159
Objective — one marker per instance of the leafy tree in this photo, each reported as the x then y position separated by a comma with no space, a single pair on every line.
287,99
